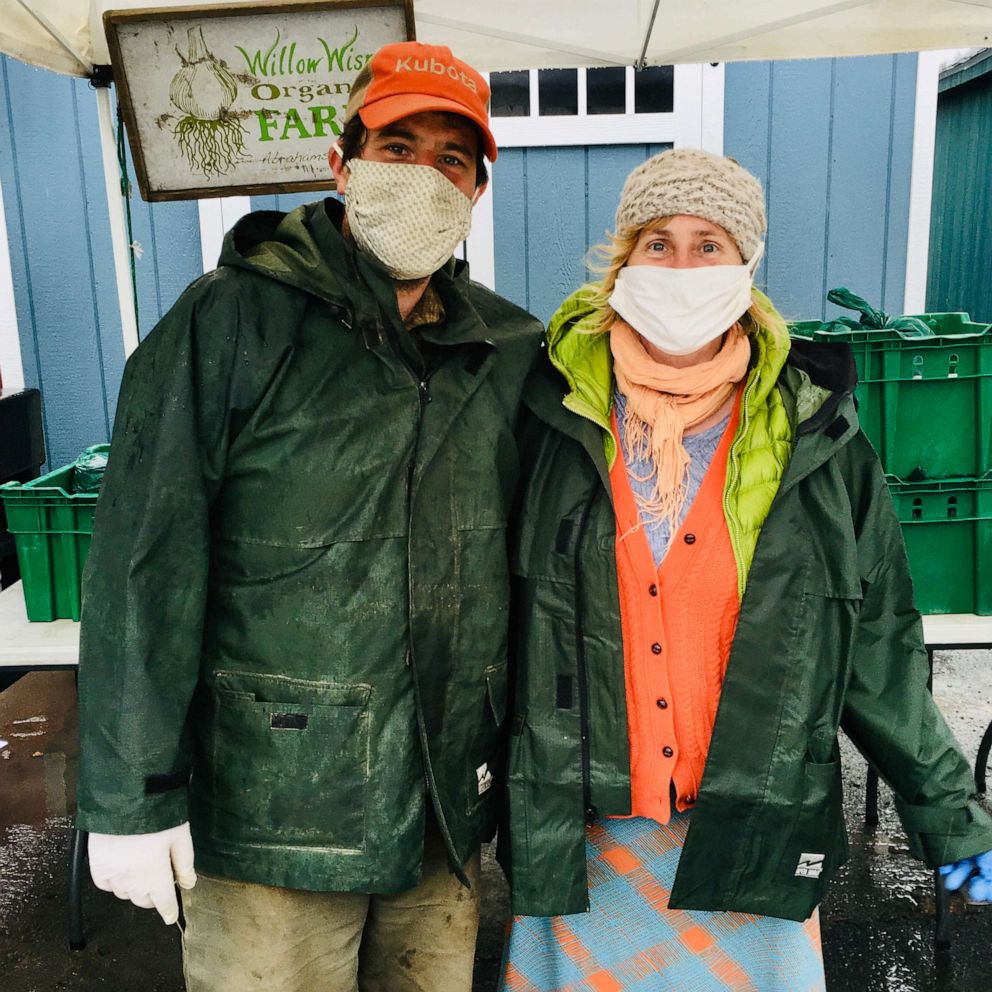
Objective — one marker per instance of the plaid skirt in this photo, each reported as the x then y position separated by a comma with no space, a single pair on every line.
630,941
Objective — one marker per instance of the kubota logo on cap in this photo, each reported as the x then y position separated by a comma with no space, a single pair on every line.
436,68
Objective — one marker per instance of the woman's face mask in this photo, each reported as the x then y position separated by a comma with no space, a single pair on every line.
681,310
410,217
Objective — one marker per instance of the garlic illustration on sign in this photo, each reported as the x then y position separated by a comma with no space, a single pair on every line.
211,138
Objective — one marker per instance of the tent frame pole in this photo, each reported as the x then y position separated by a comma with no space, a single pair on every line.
118,225
641,62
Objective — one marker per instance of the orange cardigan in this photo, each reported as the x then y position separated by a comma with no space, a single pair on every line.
678,623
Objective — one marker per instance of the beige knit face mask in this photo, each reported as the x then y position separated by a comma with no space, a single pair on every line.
410,217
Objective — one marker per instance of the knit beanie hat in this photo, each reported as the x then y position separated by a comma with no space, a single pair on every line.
690,181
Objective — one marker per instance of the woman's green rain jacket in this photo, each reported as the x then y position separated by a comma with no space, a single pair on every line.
298,585
828,637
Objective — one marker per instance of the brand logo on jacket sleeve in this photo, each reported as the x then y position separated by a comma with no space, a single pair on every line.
810,865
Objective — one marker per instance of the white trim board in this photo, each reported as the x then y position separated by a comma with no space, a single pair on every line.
928,69
217,217
11,366
479,245
696,120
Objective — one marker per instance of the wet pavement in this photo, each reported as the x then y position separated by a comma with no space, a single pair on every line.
877,921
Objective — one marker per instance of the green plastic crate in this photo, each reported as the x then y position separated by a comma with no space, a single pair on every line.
947,526
925,402
52,528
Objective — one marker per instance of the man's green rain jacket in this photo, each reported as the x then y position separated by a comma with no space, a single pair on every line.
295,614
828,637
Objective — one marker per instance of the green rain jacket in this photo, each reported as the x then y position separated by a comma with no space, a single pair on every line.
295,611
828,637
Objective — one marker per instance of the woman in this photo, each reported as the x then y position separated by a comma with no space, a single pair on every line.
710,575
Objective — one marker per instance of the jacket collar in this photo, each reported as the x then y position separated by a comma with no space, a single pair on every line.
817,385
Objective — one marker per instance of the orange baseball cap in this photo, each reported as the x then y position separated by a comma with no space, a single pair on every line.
409,78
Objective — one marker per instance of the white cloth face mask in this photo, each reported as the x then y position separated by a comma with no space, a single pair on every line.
681,310
410,217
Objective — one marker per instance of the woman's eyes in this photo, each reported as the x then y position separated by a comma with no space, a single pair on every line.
707,247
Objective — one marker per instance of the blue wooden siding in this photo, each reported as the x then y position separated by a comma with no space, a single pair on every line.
549,206
61,258
830,139
285,201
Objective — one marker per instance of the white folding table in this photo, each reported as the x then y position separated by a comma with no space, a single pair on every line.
29,647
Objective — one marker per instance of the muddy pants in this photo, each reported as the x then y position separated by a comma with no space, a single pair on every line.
241,936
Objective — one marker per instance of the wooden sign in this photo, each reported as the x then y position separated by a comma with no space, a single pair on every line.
242,98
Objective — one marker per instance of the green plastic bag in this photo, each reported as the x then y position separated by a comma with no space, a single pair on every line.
88,469
872,319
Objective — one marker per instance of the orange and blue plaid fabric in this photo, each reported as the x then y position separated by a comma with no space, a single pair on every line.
630,941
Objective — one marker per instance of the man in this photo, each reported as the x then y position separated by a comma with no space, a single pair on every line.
294,631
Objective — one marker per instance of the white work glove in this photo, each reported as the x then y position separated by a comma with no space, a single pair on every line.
145,868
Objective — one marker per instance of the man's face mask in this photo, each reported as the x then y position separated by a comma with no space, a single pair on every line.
410,217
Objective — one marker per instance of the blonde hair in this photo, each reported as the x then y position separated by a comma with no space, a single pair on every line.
608,258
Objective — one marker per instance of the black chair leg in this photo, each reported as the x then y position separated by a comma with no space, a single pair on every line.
77,858
982,761
871,798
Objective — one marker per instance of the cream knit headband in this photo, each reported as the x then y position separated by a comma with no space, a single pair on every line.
690,181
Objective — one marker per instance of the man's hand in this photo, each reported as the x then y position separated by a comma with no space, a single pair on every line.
145,868
979,866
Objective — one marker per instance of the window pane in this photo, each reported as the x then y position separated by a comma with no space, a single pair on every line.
606,90
559,92
510,93
653,90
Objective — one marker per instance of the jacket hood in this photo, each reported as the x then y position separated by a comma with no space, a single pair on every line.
826,376
303,248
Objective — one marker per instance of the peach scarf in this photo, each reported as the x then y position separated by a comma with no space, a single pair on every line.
663,402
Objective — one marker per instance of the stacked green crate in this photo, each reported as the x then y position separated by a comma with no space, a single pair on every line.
52,525
925,401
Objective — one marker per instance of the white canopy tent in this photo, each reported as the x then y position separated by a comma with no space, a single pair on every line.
527,34
67,36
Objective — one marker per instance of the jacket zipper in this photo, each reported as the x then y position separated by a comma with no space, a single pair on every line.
732,522
588,809
424,397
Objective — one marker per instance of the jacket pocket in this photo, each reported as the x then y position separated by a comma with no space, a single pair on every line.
290,761
818,844
496,691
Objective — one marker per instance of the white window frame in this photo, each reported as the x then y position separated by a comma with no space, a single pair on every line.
698,99
696,121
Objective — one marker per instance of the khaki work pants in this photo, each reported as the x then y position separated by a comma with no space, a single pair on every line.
241,936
